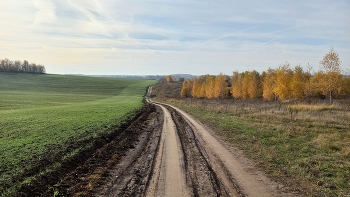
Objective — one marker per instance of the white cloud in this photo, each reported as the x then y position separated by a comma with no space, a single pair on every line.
46,11
162,37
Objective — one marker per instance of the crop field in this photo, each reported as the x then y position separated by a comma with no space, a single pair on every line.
48,119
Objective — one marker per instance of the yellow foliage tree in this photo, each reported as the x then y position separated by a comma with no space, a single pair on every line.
345,86
209,86
317,84
254,85
298,83
268,84
236,89
169,79
186,88
284,77
195,88
245,84
220,90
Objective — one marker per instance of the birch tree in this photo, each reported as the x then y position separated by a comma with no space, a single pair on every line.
332,78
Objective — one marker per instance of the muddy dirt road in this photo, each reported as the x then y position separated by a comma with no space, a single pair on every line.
184,158
169,179
166,152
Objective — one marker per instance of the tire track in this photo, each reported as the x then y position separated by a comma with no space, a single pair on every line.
230,171
170,177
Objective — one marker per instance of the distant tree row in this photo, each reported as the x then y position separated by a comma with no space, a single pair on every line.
7,65
283,83
206,86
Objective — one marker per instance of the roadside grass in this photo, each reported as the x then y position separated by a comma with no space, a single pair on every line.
304,107
48,119
304,147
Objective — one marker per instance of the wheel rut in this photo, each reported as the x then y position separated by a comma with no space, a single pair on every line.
203,179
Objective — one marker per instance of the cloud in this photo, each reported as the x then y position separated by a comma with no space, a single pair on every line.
46,11
165,36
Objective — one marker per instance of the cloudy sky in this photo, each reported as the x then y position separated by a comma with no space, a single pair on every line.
170,37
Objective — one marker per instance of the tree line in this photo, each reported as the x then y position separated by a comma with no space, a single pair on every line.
282,83
17,66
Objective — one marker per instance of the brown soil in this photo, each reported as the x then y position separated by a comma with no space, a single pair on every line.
130,177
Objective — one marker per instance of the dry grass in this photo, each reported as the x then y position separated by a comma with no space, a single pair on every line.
304,107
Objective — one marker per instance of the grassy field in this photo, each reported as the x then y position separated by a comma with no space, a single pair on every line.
306,147
47,119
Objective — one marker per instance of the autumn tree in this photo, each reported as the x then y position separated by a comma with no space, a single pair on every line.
269,84
169,79
202,87
210,86
345,84
245,77
332,78
317,84
298,83
195,86
202,90
236,87
283,81
186,88
253,87
220,89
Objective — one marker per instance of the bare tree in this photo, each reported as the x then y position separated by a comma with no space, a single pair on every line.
7,65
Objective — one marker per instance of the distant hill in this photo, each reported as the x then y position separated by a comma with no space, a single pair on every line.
185,76
150,77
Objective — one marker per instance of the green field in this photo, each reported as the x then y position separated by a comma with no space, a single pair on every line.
46,119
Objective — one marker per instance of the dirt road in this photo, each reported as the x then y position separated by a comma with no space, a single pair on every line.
236,177
169,179
188,160
167,153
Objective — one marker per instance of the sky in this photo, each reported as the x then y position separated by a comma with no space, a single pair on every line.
161,37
